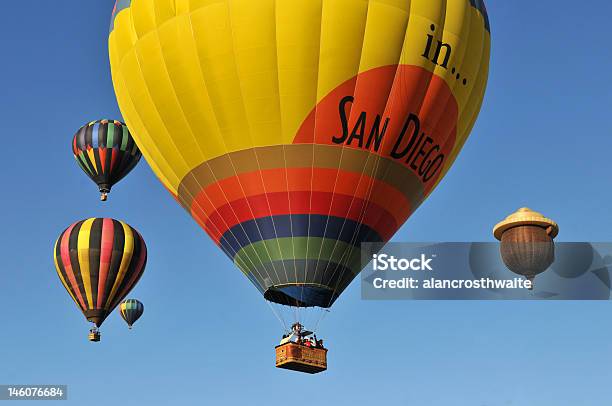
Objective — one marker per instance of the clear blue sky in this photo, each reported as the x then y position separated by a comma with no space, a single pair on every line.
543,139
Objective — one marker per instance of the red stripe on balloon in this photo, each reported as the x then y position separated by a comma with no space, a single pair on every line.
297,202
282,180
113,159
106,251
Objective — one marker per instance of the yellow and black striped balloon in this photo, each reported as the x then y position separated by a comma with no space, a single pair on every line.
99,261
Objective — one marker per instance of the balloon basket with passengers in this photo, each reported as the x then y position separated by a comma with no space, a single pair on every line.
300,352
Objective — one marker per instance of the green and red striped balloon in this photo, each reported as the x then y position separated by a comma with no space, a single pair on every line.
106,152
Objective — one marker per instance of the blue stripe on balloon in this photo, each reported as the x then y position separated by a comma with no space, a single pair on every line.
310,295
95,135
311,282
297,225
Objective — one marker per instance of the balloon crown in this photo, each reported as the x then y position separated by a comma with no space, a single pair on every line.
525,217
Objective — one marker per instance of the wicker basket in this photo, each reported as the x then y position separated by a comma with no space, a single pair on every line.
301,358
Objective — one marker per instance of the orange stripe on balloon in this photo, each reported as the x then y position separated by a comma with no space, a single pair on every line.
282,180
102,153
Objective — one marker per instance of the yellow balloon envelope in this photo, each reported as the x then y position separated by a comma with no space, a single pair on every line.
295,130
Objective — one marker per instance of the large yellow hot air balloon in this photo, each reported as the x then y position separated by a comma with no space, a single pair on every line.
294,130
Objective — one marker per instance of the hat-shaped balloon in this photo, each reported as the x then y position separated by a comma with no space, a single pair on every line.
527,246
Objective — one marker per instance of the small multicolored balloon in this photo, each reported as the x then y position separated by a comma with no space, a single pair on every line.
131,310
106,152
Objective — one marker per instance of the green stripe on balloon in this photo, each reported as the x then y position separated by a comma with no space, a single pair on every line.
110,135
83,162
124,138
299,248
80,164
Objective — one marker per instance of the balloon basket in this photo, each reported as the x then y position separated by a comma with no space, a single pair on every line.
94,336
300,358
532,280
103,197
